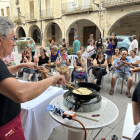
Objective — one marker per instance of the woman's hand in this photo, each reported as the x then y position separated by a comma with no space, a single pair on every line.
58,79
32,65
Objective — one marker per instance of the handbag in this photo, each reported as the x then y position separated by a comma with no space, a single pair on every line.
62,70
100,68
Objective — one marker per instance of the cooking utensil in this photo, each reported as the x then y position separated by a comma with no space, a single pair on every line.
98,115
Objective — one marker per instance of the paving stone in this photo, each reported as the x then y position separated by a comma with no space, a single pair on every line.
116,131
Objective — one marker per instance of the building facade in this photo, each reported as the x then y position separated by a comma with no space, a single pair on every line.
57,19
5,9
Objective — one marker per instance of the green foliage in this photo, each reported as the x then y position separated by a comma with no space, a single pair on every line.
69,51
22,44
16,21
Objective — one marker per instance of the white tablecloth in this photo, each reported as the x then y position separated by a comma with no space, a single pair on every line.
38,123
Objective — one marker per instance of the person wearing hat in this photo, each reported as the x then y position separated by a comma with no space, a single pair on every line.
90,38
76,45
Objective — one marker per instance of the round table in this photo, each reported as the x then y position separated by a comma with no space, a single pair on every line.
74,131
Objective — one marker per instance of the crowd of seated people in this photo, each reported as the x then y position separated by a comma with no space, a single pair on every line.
99,57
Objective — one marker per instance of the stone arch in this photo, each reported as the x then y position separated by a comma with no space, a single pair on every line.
48,33
35,33
119,16
20,32
82,38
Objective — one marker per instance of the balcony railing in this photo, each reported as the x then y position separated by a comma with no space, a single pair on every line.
47,14
30,16
114,3
68,8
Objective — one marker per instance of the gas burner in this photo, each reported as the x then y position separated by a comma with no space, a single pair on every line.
81,105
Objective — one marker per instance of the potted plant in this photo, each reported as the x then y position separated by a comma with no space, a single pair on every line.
21,45
69,51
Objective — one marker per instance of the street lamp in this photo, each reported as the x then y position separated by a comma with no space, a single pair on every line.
19,13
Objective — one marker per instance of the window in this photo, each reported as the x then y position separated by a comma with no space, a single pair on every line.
32,7
27,38
120,39
47,4
2,12
8,11
53,29
18,10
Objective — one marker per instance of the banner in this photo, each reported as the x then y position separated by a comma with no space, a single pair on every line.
74,4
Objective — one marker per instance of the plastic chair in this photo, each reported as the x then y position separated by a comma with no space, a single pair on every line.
72,58
26,75
137,73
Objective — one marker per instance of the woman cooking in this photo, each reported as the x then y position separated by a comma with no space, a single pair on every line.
13,92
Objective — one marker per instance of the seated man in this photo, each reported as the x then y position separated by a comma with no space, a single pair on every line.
120,65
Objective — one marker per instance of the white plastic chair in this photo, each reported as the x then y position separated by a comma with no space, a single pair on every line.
26,75
137,75
72,58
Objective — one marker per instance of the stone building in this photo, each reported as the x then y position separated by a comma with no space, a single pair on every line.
57,19
5,9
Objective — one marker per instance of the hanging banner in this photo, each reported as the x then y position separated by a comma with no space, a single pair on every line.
74,4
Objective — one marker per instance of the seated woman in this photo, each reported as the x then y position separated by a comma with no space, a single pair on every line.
38,53
44,63
29,58
135,60
79,63
84,54
54,54
62,63
23,54
114,57
9,60
99,69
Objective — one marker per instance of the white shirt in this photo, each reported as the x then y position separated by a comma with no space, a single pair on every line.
135,59
84,54
89,48
133,45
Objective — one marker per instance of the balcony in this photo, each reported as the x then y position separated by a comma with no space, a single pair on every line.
68,8
47,14
30,17
114,3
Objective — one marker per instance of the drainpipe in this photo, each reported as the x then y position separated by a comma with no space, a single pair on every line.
40,21
100,17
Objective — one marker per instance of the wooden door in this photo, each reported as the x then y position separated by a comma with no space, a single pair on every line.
71,35
87,31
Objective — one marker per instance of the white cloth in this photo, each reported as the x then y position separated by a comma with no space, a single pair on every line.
133,45
135,59
89,48
38,123
84,55
136,132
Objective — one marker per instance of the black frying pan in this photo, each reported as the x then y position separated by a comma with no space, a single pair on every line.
93,87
